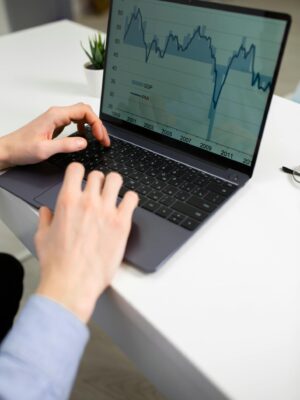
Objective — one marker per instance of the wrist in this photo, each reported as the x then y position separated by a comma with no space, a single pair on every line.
5,153
81,306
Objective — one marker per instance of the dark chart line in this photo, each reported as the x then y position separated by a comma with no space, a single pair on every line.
199,47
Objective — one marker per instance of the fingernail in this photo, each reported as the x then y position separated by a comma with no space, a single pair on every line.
81,143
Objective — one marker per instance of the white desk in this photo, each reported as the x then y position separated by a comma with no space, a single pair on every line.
223,316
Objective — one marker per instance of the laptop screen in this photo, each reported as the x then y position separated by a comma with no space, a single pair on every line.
194,73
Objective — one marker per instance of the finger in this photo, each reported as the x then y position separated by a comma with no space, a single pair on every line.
111,188
81,113
128,205
45,219
94,183
100,133
72,181
64,145
87,115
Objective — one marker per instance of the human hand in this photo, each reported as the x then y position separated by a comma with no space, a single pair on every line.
82,245
38,140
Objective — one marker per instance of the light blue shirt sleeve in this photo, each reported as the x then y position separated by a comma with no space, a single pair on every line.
40,356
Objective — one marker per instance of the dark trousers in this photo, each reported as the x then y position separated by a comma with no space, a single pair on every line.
11,289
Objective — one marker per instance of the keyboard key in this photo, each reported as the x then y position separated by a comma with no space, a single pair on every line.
163,212
187,186
152,172
189,211
165,167
151,205
130,164
191,175
142,167
131,184
113,165
215,198
162,176
230,185
190,224
125,171
183,196
224,190
176,218
175,181
158,185
143,190
167,201
148,180
155,161
136,175
200,203
170,190
199,191
202,182
155,195
177,171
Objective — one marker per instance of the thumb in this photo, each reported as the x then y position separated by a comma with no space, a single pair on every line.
45,218
64,145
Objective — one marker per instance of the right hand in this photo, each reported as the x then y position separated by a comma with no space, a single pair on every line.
81,246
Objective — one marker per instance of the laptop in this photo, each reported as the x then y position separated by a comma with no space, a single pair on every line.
186,93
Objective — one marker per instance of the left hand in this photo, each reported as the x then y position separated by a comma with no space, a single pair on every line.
36,141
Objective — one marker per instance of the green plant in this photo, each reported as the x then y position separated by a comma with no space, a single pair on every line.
97,52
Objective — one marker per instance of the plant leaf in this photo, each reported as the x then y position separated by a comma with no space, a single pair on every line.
97,51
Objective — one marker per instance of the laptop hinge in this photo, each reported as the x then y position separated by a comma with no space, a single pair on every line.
237,177
191,160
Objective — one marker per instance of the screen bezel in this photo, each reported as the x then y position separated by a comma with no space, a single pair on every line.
204,154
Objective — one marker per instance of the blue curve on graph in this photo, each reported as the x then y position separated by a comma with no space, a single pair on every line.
198,47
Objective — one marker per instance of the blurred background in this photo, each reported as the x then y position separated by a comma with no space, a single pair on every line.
22,14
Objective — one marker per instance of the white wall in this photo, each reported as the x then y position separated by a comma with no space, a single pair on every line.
4,24
78,6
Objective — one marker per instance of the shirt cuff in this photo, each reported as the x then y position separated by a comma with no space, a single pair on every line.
48,337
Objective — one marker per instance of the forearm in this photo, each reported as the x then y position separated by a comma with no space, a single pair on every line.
40,356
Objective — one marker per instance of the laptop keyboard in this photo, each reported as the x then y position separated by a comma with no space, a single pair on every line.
181,194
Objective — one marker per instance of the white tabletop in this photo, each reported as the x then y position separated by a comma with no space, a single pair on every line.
228,302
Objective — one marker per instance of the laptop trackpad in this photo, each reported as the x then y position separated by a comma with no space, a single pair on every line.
29,182
49,197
